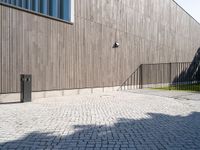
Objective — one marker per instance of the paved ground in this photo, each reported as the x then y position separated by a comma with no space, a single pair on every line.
116,120
181,95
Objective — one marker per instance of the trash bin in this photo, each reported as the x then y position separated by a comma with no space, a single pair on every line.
26,87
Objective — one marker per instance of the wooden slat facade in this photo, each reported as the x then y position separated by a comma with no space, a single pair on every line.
65,56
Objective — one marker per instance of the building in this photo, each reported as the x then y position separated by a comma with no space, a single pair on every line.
68,44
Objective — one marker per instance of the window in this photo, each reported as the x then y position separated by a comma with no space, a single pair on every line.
44,7
35,5
64,13
53,8
19,3
61,9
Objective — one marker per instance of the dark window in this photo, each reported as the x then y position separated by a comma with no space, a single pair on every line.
44,7
35,5
13,2
19,3
53,8
61,9
65,13
25,4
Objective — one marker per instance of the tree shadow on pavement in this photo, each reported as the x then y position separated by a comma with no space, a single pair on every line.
156,131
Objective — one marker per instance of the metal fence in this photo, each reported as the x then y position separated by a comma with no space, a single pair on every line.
179,76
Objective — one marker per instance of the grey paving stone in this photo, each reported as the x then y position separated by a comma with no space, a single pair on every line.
119,120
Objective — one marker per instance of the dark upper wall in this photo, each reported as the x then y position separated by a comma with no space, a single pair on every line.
64,56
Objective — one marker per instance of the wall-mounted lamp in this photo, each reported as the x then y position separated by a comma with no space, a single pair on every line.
116,45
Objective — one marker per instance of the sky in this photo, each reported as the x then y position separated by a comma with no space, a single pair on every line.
192,7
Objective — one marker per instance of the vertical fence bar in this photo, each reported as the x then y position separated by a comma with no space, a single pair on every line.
186,69
186,76
130,86
162,79
176,81
138,78
178,68
134,81
141,77
127,85
170,74
189,77
198,78
180,74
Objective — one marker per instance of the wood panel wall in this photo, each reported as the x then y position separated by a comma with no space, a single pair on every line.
64,56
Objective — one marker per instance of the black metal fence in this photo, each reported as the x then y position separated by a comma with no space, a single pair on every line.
179,76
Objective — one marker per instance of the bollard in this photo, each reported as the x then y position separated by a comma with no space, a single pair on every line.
26,87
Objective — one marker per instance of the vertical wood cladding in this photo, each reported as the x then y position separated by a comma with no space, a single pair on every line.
64,56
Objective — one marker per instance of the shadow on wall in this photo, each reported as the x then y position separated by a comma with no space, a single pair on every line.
192,73
158,131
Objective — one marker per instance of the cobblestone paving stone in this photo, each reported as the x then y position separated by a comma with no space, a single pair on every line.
112,121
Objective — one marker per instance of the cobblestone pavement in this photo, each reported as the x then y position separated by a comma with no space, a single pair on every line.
181,95
115,120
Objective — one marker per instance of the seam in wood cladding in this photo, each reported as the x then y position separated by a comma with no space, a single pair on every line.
63,56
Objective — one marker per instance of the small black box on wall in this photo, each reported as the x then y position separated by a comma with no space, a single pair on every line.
26,87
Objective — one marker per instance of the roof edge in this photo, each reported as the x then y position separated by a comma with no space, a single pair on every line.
186,12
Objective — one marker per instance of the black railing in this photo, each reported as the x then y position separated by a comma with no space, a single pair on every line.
134,80
179,76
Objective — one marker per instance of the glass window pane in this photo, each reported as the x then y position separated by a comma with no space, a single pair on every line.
53,8
9,1
24,3
19,3
56,8
44,7
35,5
13,2
65,10
29,4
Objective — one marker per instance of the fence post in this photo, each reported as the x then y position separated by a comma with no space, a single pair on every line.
170,75
141,77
